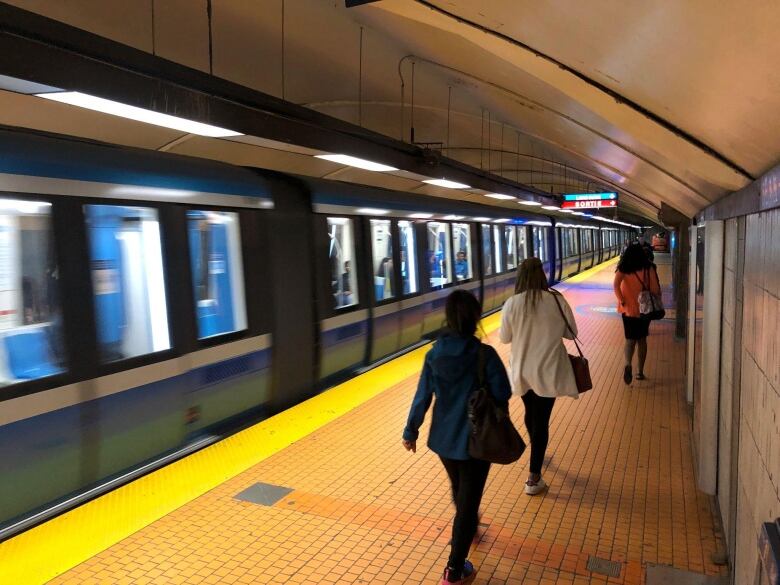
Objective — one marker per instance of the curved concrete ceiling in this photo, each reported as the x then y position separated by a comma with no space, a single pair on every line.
670,102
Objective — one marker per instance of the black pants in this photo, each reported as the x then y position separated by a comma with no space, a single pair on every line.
468,482
537,420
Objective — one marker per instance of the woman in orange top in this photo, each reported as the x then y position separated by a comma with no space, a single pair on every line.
634,273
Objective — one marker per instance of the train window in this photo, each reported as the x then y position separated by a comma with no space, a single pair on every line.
587,241
487,254
499,250
540,243
461,242
408,257
438,254
382,253
30,316
217,271
510,234
128,280
574,248
341,252
522,245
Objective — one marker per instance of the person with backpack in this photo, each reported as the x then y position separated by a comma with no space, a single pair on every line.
451,373
635,273
535,320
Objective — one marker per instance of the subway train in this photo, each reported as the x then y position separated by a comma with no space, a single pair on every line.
152,303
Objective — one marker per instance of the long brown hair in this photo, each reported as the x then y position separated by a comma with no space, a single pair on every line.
531,279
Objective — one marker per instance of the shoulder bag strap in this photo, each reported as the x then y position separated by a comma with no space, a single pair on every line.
565,320
643,282
481,366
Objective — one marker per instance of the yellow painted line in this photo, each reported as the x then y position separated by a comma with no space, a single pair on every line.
48,550
583,276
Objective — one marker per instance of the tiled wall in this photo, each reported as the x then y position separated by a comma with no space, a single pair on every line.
758,485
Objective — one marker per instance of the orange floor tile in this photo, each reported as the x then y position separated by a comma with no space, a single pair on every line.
363,510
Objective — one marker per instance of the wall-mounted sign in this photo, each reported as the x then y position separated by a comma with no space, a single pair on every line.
589,204
590,196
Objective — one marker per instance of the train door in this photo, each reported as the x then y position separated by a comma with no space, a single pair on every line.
386,306
488,268
412,304
465,267
438,260
343,309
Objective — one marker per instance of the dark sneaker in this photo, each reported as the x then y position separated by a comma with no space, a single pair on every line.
627,375
467,575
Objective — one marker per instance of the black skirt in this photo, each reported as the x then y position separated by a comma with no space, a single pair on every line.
635,327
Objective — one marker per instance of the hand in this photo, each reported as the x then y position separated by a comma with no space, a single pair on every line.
410,445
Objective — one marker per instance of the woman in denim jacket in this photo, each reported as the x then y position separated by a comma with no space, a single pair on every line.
450,373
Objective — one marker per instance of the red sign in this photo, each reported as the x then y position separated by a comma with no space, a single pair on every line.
589,204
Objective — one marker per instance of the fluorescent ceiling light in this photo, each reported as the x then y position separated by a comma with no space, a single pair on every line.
421,215
372,211
90,102
499,196
529,203
502,220
551,207
481,219
446,184
565,211
353,161
453,217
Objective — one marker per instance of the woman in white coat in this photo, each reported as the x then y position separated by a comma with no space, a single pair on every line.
539,365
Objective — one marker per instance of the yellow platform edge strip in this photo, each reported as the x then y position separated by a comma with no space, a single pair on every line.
583,276
50,549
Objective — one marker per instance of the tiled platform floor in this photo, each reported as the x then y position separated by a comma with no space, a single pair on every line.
363,510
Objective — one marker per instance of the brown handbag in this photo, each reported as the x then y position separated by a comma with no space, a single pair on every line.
579,364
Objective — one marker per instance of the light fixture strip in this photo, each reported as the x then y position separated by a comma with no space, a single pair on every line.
91,102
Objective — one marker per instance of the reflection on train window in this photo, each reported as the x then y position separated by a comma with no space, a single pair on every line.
511,246
341,253
461,242
128,280
522,245
587,241
408,257
30,315
438,254
540,242
499,251
487,254
569,242
217,271
382,253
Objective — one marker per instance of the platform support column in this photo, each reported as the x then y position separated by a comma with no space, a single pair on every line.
711,345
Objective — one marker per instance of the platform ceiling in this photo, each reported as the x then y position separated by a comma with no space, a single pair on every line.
666,101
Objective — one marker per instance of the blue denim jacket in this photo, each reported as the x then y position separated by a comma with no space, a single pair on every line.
450,372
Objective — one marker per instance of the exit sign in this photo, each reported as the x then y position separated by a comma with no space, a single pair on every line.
589,204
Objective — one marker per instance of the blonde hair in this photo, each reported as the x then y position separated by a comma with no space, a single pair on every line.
531,279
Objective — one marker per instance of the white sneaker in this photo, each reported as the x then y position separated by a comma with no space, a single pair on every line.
533,488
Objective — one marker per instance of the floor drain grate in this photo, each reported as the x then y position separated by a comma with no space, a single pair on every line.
264,494
604,566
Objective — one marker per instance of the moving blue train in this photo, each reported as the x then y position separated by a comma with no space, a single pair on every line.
151,303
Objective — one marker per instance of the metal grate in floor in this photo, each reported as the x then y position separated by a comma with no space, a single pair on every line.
604,566
265,494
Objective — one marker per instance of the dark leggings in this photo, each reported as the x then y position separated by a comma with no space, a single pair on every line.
468,481
537,420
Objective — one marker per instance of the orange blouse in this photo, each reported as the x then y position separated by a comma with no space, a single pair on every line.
628,286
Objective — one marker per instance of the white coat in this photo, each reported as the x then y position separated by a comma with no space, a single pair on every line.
538,360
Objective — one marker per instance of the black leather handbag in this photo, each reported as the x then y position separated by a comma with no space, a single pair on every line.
493,437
